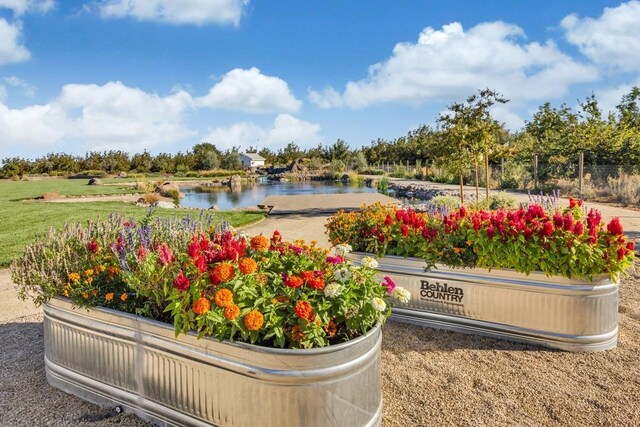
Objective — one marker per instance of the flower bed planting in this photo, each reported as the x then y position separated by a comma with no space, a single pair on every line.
568,242
259,290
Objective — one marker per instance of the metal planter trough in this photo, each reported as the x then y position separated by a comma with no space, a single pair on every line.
113,358
566,314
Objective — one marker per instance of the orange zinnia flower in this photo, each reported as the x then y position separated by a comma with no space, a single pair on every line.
85,295
109,296
124,297
201,306
253,320
231,312
247,265
297,334
262,279
223,298
259,243
331,329
74,277
222,272
304,311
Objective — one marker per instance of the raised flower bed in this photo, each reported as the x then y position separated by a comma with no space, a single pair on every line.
184,325
548,278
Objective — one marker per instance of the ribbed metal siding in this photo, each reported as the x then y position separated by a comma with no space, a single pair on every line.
197,382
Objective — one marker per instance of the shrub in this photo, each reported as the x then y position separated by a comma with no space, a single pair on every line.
447,202
151,198
383,185
373,172
265,291
624,189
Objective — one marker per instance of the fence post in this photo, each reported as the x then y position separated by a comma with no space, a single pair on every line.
501,170
580,173
535,171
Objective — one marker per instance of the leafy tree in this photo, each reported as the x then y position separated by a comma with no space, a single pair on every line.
142,162
206,156
231,160
338,151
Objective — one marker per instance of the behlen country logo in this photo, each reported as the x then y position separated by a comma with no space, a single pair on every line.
440,291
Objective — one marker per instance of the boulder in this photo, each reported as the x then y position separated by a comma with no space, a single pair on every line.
95,181
122,175
235,181
169,190
163,204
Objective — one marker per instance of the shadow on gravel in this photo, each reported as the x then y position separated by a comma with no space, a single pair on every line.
26,399
404,337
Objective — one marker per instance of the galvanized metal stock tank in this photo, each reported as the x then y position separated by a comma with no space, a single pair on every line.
567,314
114,358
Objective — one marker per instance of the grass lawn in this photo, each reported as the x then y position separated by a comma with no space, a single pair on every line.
21,220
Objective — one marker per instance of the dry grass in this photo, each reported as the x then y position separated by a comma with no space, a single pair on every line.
151,198
52,195
625,189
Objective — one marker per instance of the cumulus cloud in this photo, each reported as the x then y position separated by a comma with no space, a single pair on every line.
197,12
27,88
285,129
20,7
452,63
250,91
613,39
11,48
111,116
610,97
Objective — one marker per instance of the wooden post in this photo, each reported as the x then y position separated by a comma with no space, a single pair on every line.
580,173
487,174
501,170
535,171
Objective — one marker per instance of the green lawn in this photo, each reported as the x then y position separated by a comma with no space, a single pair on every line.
21,220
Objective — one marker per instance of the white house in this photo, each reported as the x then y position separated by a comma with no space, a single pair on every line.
252,160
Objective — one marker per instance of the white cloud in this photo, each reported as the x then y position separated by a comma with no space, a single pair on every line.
27,88
613,39
11,48
3,93
112,116
198,12
20,7
609,98
251,91
451,63
285,129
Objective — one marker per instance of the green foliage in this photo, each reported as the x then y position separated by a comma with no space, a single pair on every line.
383,185
448,202
561,243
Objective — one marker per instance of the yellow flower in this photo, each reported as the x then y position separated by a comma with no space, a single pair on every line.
74,277
100,268
88,272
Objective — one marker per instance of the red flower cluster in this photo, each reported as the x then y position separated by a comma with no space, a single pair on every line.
93,246
198,250
181,282
165,254
226,247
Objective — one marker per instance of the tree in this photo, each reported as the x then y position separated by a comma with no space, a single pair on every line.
206,156
142,163
338,151
231,160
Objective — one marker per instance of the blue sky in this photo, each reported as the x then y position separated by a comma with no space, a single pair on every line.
164,75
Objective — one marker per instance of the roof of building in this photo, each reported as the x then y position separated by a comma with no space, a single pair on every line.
254,156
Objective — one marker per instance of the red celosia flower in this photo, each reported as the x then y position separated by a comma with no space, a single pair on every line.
93,246
558,221
622,251
404,230
631,246
568,222
201,263
304,311
181,282
547,229
463,212
388,220
614,227
491,231
578,229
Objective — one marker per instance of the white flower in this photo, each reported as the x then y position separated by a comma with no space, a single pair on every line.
369,262
332,290
343,250
342,274
378,304
402,294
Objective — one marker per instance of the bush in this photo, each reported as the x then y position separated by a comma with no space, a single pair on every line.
373,172
447,202
151,198
516,176
625,189
383,185
337,167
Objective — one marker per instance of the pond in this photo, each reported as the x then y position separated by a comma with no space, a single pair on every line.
252,194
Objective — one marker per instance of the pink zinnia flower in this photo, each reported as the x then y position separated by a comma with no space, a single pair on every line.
389,284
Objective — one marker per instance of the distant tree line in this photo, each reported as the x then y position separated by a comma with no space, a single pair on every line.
466,137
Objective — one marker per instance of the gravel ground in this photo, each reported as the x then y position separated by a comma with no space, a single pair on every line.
429,377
